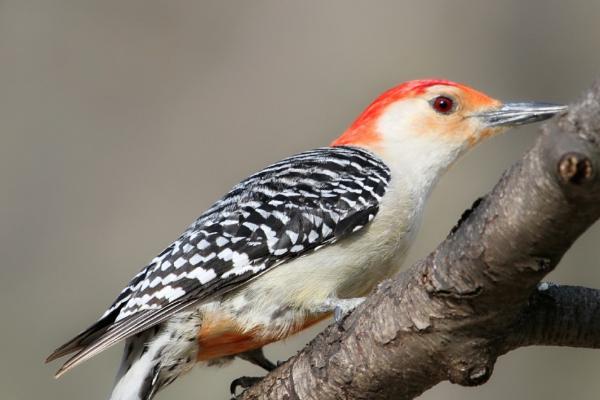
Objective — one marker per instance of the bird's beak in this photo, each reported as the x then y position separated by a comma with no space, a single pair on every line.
513,114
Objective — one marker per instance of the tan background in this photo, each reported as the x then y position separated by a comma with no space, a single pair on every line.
121,121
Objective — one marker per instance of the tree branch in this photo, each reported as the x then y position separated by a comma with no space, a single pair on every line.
474,298
558,316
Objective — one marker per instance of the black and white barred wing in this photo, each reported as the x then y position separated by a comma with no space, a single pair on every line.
288,210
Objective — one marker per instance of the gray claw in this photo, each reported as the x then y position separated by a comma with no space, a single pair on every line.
339,314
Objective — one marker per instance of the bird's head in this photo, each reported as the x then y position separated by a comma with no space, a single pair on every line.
434,121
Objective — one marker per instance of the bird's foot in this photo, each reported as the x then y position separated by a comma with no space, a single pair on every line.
243,382
344,307
340,307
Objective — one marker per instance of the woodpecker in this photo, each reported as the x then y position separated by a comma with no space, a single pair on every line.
305,238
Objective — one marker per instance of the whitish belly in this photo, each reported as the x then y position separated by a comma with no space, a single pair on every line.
352,267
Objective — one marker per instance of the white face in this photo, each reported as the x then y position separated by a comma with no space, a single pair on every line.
427,132
443,114
419,128
437,124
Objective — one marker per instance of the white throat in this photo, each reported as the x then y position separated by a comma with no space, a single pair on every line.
416,159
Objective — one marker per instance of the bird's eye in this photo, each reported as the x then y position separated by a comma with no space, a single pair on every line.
443,104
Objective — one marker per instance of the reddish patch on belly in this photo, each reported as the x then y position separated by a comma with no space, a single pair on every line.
220,337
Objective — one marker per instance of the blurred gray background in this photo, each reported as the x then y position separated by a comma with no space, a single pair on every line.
121,121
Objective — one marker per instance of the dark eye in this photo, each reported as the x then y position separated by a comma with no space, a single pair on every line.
443,104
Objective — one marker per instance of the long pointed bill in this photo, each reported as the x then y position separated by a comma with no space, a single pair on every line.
513,114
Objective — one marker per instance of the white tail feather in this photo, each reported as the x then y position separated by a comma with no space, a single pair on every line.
136,376
156,357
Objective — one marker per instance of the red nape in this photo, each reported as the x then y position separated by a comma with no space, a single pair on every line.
362,130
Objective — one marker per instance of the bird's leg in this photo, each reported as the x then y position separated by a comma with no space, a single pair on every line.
340,307
257,357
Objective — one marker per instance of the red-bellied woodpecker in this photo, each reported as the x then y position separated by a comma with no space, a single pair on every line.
290,245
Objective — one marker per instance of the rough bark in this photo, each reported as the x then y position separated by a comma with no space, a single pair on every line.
476,296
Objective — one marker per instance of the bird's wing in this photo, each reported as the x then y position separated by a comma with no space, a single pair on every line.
287,210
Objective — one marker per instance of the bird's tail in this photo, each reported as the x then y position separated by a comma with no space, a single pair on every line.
139,370
152,360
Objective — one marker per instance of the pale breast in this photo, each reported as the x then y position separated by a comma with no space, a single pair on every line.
350,268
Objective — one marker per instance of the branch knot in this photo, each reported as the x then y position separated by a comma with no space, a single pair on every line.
472,367
575,168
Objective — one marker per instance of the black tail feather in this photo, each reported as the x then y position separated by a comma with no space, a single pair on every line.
85,338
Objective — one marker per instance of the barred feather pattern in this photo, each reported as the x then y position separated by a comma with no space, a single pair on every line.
287,210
